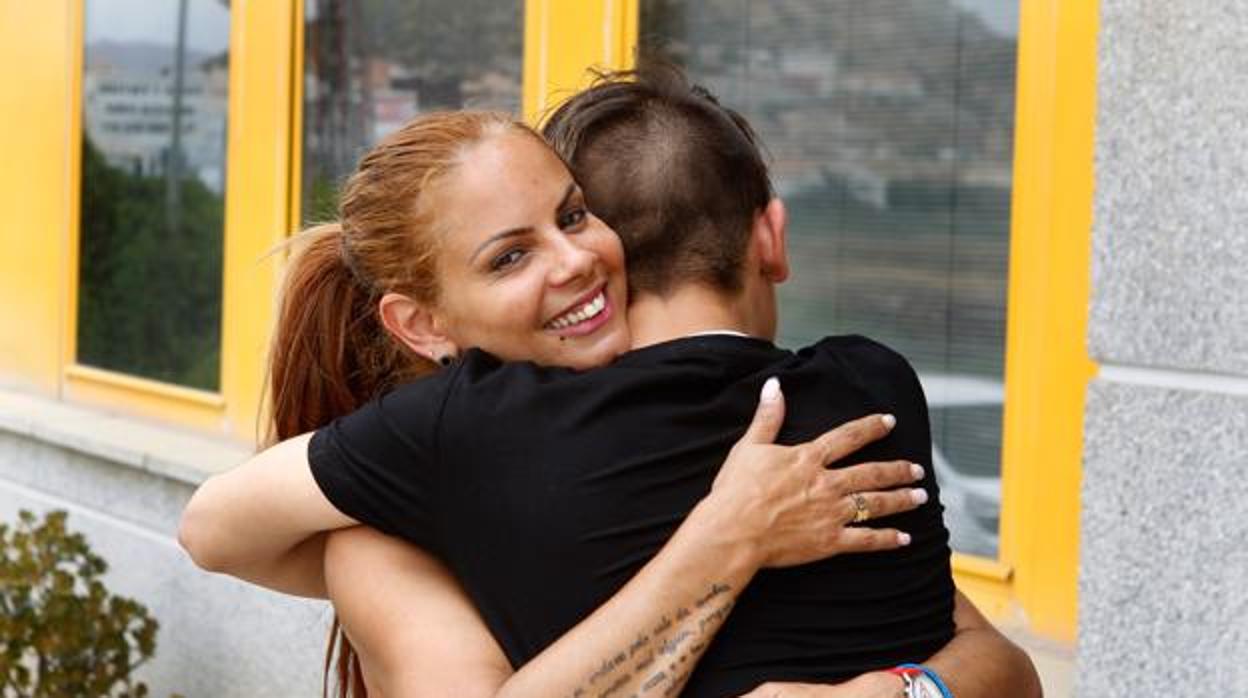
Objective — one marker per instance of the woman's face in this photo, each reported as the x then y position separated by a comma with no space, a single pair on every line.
526,271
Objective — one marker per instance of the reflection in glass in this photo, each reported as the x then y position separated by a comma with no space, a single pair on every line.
371,65
153,178
890,126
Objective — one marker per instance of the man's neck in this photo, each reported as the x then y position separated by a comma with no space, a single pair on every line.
690,310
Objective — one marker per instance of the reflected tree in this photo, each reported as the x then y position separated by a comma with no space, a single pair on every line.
149,294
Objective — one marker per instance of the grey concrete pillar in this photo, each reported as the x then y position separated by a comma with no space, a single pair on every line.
1163,588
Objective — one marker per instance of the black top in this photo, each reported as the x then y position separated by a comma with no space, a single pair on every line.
546,490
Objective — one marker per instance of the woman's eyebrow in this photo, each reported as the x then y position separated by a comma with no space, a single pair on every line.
510,232
513,232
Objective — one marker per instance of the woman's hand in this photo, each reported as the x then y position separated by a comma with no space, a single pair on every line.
877,684
789,508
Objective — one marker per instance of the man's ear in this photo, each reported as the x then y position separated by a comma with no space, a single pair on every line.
770,227
416,326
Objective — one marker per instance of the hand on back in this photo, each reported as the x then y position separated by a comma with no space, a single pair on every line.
784,501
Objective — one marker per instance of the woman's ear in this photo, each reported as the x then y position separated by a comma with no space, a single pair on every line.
416,326
770,227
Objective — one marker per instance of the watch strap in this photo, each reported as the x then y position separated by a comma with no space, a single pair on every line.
921,681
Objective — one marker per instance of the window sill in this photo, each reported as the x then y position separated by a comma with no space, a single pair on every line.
152,448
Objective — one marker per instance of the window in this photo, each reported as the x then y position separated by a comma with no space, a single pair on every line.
890,129
371,66
153,170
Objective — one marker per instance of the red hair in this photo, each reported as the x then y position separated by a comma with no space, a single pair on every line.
330,352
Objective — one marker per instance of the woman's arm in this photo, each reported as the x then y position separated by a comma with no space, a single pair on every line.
979,662
259,521
770,506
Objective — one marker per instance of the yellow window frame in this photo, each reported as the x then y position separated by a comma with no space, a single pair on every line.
258,160
35,121
1033,580
564,38
1047,362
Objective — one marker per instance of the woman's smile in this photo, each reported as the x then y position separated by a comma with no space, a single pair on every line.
585,316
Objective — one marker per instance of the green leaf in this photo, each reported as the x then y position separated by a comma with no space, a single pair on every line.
62,632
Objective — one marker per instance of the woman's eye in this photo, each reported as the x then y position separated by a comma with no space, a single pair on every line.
507,259
572,218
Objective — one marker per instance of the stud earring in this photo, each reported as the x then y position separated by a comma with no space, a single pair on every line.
446,360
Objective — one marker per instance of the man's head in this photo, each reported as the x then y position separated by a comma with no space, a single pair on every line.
678,176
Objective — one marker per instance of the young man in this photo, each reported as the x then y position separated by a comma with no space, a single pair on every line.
581,477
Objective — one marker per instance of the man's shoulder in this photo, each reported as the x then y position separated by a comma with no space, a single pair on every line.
668,372
477,374
484,381
678,353
857,348
862,360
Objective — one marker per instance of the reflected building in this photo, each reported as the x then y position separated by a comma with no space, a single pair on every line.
128,101
369,70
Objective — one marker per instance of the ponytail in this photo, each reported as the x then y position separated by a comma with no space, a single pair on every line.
340,656
330,352
330,355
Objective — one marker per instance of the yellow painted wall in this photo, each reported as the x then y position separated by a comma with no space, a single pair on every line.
563,39
258,193
1047,362
35,206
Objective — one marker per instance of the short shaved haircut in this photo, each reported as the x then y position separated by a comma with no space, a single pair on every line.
679,176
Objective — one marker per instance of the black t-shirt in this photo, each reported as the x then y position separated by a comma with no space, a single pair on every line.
547,489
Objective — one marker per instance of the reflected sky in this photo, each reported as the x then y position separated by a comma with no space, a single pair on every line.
207,22
1000,15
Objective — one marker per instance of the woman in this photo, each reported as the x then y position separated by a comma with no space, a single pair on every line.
515,301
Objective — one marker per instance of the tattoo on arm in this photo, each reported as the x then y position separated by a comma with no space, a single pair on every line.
668,652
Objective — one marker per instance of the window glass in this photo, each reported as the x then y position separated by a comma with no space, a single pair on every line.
153,177
890,129
371,65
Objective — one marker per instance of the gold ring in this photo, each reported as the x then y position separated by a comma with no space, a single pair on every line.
862,512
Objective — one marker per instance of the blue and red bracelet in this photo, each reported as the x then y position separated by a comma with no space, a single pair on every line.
912,669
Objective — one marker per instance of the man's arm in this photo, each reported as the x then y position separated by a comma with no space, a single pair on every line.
979,662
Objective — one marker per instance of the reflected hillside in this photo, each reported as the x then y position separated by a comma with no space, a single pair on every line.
890,128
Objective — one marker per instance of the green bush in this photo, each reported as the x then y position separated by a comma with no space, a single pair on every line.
62,633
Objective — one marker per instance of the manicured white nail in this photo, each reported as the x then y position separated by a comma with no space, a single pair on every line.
889,421
918,495
771,390
903,539
917,471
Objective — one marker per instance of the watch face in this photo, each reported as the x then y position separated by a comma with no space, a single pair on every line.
923,687
918,685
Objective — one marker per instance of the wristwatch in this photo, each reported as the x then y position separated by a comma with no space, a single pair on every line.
918,683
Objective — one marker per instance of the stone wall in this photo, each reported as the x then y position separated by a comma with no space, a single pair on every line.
218,637
1164,564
